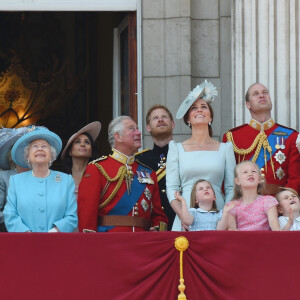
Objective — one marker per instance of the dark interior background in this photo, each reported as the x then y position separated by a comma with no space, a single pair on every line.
74,52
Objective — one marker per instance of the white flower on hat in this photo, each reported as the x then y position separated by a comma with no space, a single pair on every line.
206,91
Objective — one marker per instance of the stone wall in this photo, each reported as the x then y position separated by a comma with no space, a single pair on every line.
266,49
183,43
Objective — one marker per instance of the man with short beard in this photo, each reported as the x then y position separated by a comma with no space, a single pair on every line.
160,124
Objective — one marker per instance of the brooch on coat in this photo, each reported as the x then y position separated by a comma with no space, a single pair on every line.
57,178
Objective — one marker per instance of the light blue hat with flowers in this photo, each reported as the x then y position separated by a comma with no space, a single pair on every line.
8,136
35,133
206,91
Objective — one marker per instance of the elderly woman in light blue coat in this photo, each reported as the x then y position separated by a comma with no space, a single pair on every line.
40,200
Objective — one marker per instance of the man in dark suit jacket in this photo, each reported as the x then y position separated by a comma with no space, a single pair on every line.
160,125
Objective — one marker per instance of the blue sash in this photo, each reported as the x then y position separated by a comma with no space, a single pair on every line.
126,203
272,141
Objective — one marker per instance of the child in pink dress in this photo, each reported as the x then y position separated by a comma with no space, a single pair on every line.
252,211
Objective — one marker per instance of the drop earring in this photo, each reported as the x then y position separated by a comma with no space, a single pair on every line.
189,124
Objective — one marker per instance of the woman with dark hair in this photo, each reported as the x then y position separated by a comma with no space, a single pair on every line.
200,156
80,150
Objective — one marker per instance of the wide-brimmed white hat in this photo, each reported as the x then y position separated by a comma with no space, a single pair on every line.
8,136
35,133
93,129
206,91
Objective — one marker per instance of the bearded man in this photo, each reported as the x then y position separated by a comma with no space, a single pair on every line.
160,125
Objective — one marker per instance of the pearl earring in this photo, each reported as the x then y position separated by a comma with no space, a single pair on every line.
209,123
189,124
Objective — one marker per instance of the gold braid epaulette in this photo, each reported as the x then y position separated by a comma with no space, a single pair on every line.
258,142
120,176
261,140
103,157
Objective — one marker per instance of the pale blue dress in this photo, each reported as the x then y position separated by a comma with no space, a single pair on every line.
204,220
184,168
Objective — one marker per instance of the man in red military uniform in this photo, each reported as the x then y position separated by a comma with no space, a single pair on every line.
271,145
116,193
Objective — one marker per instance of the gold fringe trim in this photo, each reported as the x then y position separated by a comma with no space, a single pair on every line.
181,244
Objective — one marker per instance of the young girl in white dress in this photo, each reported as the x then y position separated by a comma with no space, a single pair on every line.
203,214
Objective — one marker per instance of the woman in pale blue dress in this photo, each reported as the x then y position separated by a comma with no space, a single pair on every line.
200,156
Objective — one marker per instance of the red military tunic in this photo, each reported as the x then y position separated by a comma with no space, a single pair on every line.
98,185
285,159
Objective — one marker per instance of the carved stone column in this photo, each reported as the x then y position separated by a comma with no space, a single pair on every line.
265,48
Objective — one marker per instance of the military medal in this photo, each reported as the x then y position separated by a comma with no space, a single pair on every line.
280,157
280,173
162,163
144,205
148,193
277,146
144,177
280,139
282,144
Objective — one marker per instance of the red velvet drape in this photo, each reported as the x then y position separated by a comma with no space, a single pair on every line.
217,265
